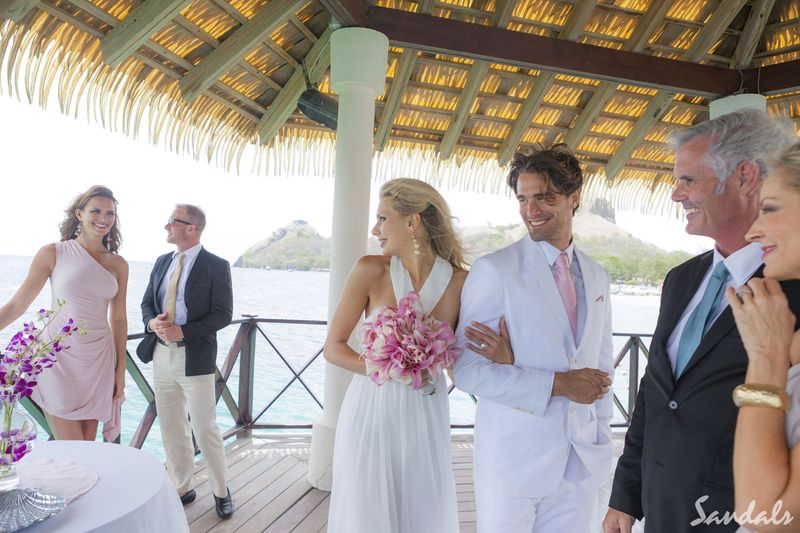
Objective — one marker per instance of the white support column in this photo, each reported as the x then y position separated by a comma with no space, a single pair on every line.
359,59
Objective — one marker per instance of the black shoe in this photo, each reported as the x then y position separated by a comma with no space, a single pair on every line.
224,505
188,497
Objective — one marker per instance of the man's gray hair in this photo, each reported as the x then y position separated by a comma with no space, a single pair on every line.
746,135
195,215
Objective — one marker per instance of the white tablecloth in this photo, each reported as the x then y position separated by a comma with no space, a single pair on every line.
133,493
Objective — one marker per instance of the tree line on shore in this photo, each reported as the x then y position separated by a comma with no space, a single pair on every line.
298,246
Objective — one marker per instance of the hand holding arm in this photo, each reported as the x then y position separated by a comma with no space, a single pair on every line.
497,347
482,301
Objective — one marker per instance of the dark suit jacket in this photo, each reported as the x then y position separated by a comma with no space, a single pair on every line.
209,306
679,446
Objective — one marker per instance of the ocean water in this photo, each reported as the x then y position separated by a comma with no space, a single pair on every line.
287,295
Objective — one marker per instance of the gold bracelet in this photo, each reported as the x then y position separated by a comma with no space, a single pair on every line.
758,395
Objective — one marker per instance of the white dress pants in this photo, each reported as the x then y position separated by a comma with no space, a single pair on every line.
568,509
176,396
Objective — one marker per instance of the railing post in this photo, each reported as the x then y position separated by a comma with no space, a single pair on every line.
633,375
247,359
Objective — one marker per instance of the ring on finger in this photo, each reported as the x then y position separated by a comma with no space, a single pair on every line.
483,346
744,291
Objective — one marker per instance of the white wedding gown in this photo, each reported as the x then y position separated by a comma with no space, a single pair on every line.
391,460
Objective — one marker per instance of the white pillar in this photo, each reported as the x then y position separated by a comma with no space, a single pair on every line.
358,74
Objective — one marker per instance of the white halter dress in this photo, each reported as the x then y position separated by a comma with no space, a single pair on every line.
391,462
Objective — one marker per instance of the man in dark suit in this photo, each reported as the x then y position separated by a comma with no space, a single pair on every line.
676,468
189,298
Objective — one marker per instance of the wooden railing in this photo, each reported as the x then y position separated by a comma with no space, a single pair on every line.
243,352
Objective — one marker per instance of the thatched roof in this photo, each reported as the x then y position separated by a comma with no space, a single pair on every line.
218,78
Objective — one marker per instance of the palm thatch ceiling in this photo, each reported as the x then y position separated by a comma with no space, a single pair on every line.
469,81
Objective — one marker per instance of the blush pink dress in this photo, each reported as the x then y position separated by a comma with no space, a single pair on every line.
80,385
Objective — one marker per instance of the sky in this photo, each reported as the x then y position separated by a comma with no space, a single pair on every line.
49,158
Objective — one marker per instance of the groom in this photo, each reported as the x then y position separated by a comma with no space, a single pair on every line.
542,430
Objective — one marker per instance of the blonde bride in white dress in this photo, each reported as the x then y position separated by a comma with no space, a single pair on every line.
391,461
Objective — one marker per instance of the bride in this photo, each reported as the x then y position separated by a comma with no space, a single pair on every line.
391,460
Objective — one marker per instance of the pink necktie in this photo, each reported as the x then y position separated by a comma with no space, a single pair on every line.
567,290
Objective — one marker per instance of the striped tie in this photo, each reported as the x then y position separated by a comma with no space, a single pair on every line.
172,289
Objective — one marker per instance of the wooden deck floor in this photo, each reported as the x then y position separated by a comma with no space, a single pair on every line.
271,494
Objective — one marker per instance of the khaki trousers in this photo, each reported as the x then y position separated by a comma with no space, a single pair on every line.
176,396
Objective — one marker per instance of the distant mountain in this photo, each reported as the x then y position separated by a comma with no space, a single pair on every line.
299,246
296,246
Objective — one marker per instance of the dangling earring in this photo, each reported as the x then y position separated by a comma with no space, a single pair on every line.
416,245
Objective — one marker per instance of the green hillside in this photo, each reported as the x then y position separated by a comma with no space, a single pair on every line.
299,246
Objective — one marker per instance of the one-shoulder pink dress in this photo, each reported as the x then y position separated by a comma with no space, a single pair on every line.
80,386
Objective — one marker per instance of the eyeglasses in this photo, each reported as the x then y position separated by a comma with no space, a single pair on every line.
171,221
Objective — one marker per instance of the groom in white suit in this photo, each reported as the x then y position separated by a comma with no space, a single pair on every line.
543,371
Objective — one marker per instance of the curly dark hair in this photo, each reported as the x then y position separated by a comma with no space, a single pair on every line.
70,226
557,164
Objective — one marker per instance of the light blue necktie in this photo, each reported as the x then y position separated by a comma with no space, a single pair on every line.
700,319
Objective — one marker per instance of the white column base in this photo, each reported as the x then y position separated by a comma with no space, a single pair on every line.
320,464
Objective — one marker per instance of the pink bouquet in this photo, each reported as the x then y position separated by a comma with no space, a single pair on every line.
404,344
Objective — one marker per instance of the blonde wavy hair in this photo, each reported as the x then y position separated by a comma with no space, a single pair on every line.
410,196
70,226
789,161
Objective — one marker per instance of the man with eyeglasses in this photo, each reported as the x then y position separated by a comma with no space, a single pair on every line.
189,298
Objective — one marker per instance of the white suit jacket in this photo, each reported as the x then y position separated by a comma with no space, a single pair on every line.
522,435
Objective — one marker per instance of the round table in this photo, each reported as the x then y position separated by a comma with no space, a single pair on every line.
133,492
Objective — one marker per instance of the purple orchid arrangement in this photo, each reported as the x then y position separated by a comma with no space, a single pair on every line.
25,357
404,344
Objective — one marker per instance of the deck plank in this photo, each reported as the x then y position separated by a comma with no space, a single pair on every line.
290,508
316,519
242,495
271,495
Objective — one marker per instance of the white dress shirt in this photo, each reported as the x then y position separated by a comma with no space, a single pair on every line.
741,265
552,253
189,257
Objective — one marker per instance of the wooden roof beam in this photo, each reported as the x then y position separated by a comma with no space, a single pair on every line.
318,60
772,79
753,29
604,92
440,35
347,12
708,36
15,10
145,20
475,78
652,113
402,74
232,49
578,16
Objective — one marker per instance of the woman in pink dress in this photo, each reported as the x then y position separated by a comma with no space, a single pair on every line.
86,384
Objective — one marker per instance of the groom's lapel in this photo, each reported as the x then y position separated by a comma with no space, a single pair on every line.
537,266
594,292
